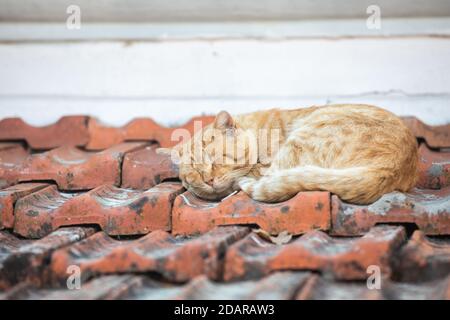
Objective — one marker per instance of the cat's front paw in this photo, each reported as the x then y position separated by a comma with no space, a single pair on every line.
246,184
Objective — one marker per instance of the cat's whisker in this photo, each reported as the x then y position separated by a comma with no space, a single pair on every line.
230,195
186,200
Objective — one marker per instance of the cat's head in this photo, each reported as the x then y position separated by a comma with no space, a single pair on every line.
213,160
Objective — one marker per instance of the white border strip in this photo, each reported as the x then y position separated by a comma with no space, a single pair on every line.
227,30
433,110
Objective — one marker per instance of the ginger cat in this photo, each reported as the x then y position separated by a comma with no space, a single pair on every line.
358,152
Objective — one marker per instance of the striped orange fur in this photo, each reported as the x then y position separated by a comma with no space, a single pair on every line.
358,152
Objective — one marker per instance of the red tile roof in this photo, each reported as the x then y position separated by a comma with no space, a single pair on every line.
70,131
176,259
9,197
71,168
100,198
24,260
144,168
102,137
306,211
342,258
422,259
117,211
428,209
434,168
435,136
319,289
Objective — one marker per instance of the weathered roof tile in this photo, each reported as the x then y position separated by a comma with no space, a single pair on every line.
434,169
176,259
68,131
422,259
9,197
144,168
306,211
343,258
428,209
435,136
116,210
72,168
319,288
25,260
141,129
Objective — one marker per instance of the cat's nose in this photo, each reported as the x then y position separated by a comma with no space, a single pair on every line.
210,182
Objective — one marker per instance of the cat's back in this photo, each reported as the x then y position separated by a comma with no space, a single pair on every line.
351,135
357,122
342,114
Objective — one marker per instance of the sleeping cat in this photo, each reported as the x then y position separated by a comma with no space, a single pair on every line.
358,152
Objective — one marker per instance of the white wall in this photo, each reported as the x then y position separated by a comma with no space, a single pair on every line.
215,10
172,71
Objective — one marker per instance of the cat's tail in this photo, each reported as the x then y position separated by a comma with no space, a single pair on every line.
360,185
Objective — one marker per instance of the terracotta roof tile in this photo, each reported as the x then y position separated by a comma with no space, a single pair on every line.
304,212
423,259
68,131
277,286
143,129
167,243
342,258
116,210
103,288
176,259
11,156
22,259
428,209
9,197
72,168
144,168
9,150
434,169
435,136
89,132
319,288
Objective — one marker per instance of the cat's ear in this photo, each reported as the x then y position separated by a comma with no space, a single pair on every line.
223,121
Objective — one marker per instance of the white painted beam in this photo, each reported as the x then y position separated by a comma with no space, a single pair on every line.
268,30
236,68
213,10
46,110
